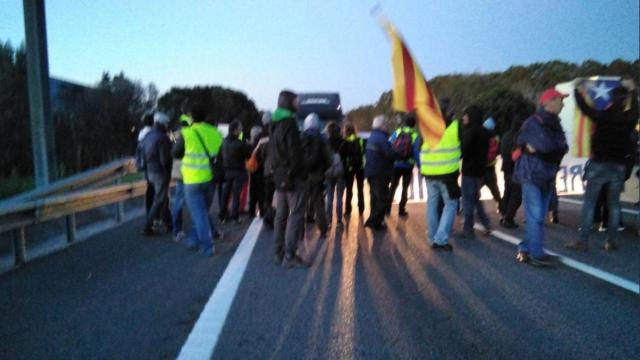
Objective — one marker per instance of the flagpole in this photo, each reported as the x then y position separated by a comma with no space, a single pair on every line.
383,21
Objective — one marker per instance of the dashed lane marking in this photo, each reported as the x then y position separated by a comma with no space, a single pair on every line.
205,333
580,266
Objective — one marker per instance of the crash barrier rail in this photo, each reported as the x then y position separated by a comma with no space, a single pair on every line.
66,198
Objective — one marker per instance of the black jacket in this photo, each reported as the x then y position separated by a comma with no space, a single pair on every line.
609,142
234,153
285,152
507,145
475,145
157,152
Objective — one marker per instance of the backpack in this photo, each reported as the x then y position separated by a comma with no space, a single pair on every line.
336,169
402,145
312,151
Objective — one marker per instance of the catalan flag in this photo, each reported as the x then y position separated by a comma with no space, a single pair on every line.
598,95
412,92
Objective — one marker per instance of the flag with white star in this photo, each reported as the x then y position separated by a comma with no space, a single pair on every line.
598,95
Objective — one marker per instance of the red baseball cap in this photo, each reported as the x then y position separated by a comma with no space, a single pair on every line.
550,94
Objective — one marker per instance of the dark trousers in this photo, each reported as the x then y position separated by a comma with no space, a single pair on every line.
358,175
405,175
256,193
314,197
269,190
512,197
491,181
159,208
233,182
379,193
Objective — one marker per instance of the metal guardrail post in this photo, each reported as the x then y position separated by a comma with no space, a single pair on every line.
119,205
20,246
71,228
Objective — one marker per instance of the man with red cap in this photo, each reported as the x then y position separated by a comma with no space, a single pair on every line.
543,144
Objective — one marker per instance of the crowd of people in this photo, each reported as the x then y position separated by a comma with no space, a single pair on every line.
305,177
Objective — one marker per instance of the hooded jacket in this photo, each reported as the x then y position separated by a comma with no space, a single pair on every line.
157,152
379,155
285,152
474,144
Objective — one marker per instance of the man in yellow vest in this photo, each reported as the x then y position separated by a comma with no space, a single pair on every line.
440,166
197,147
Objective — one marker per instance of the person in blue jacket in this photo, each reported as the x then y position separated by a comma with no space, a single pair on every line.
543,145
378,170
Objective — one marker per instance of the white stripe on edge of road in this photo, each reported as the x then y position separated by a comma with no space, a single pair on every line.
205,333
580,266
578,202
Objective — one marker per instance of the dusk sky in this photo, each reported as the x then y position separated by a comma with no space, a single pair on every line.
261,47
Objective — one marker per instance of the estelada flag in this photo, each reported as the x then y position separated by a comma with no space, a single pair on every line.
598,96
412,92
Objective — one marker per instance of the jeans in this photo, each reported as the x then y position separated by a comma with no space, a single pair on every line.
358,175
199,198
334,185
536,203
471,203
597,175
177,206
159,208
439,226
405,175
289,222
234,180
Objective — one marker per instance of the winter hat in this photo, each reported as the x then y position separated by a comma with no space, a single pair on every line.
475,114
312,121
378,122
489,124
160,118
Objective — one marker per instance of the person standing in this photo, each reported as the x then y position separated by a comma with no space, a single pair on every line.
157,155
403,141
176,175
378,170
512,191
262,155
490,179
475,145
234,154
440,167
197,147
334,176
354,168
543,145
288,175
316,160
609,151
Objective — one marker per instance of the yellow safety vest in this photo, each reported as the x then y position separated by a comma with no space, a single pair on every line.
445,157
195,167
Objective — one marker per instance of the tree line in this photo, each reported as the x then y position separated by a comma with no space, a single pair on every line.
503,95
94,125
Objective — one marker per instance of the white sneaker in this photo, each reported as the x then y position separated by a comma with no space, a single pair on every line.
179,236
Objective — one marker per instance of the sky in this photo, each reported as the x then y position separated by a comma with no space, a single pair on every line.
260,47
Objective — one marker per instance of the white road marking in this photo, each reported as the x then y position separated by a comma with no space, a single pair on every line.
205,333
580,266
580,202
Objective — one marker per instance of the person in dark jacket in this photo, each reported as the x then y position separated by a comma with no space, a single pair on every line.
512,197
354,168
285,155
262,155
607,166
475,145
334,176
378,170
234,154
403,168
317,159
543,145
157,154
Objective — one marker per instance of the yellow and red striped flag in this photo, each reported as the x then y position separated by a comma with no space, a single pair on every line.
412,92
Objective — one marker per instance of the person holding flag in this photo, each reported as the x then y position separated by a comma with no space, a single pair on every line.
440,148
